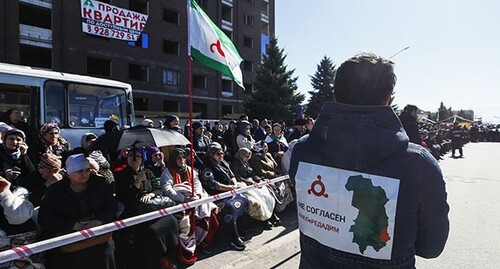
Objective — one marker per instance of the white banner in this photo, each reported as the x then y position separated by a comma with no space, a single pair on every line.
109,21
346,210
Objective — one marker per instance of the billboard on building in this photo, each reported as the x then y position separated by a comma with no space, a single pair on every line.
109,21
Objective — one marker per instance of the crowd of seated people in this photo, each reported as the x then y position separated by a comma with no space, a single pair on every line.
51,189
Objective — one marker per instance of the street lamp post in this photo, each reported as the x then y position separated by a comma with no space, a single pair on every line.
399,52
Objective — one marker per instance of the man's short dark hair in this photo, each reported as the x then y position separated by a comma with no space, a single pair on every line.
410,108
365,79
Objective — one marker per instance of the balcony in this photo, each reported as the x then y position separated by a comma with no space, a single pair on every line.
227,25
228,2
39,3
264,17
35,36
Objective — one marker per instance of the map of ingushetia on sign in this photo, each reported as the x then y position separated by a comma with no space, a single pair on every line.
370,226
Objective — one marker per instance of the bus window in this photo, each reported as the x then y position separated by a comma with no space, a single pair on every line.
91,106
54,102
17,97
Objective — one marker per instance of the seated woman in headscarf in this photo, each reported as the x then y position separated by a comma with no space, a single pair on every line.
263,162
217,177
14,161
78,201
277,143
51,140
97,155
181,184
244,138
262,201
172,123
140,192
46,174
265,166
16,227
154,161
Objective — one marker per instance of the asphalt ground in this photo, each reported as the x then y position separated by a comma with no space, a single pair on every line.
473,186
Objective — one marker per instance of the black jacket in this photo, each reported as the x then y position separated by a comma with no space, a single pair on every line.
61,207
411,127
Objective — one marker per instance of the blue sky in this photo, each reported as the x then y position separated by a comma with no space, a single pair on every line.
453,55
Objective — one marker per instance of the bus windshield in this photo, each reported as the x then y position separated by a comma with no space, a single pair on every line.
88,105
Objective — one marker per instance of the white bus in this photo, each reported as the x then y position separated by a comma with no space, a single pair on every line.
78,104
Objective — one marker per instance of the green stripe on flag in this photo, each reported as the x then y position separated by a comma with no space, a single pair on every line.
221,67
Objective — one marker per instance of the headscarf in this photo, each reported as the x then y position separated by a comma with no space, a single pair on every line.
47,127
85,138
213,148
169,119
242,125
241,153
173,157
141,150
149,154
50,161
179,174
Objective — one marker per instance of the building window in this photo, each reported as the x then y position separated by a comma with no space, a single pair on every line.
141,104
227,13
170,77
170,106
200,108
199,82
248,20
171,16
142,41
35,56
251,2
248,66
227,85
99,67
171,47
35,16
137,72
248,42
140,6
227,110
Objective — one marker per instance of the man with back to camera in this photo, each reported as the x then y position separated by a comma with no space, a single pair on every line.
408,119
366,196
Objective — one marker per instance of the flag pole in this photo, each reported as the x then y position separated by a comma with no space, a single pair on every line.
190,95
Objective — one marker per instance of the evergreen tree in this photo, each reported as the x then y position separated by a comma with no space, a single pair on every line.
275,93
395,107
322,83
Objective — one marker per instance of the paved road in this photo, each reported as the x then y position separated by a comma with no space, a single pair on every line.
473,185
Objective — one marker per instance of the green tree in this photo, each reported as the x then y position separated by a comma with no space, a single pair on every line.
275,93
322,83
395,107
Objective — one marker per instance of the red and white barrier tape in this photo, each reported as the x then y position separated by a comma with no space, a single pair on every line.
24,251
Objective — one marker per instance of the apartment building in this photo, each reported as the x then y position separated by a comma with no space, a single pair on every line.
48,34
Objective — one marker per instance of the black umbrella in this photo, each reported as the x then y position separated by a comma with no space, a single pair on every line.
114,141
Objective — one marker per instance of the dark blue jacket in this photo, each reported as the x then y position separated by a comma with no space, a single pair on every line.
370,139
